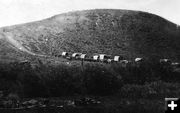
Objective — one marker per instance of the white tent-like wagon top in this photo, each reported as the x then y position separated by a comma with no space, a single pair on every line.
64,54
95,57
138,59
102,56
83,56
76,54
164,60
116,58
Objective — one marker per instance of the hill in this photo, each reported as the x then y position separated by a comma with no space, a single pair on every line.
138,86
116,32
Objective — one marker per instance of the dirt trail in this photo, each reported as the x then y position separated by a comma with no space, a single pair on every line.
14,42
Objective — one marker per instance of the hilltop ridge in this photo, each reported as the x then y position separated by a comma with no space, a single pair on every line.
116,32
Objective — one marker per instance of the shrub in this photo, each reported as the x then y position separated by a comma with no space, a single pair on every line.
152,90
100,80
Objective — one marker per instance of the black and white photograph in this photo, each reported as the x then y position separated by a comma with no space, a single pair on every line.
89,56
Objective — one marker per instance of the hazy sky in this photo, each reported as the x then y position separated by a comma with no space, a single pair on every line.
21,11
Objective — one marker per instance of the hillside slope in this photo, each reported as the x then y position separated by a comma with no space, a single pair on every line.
116,32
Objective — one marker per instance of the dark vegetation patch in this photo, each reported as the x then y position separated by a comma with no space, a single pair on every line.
119,89
41,80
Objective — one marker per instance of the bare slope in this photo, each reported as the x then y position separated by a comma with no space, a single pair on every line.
117,32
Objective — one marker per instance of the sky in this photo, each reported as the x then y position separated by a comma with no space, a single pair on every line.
21,11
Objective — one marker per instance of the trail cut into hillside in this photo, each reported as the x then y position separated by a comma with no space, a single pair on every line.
18,45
